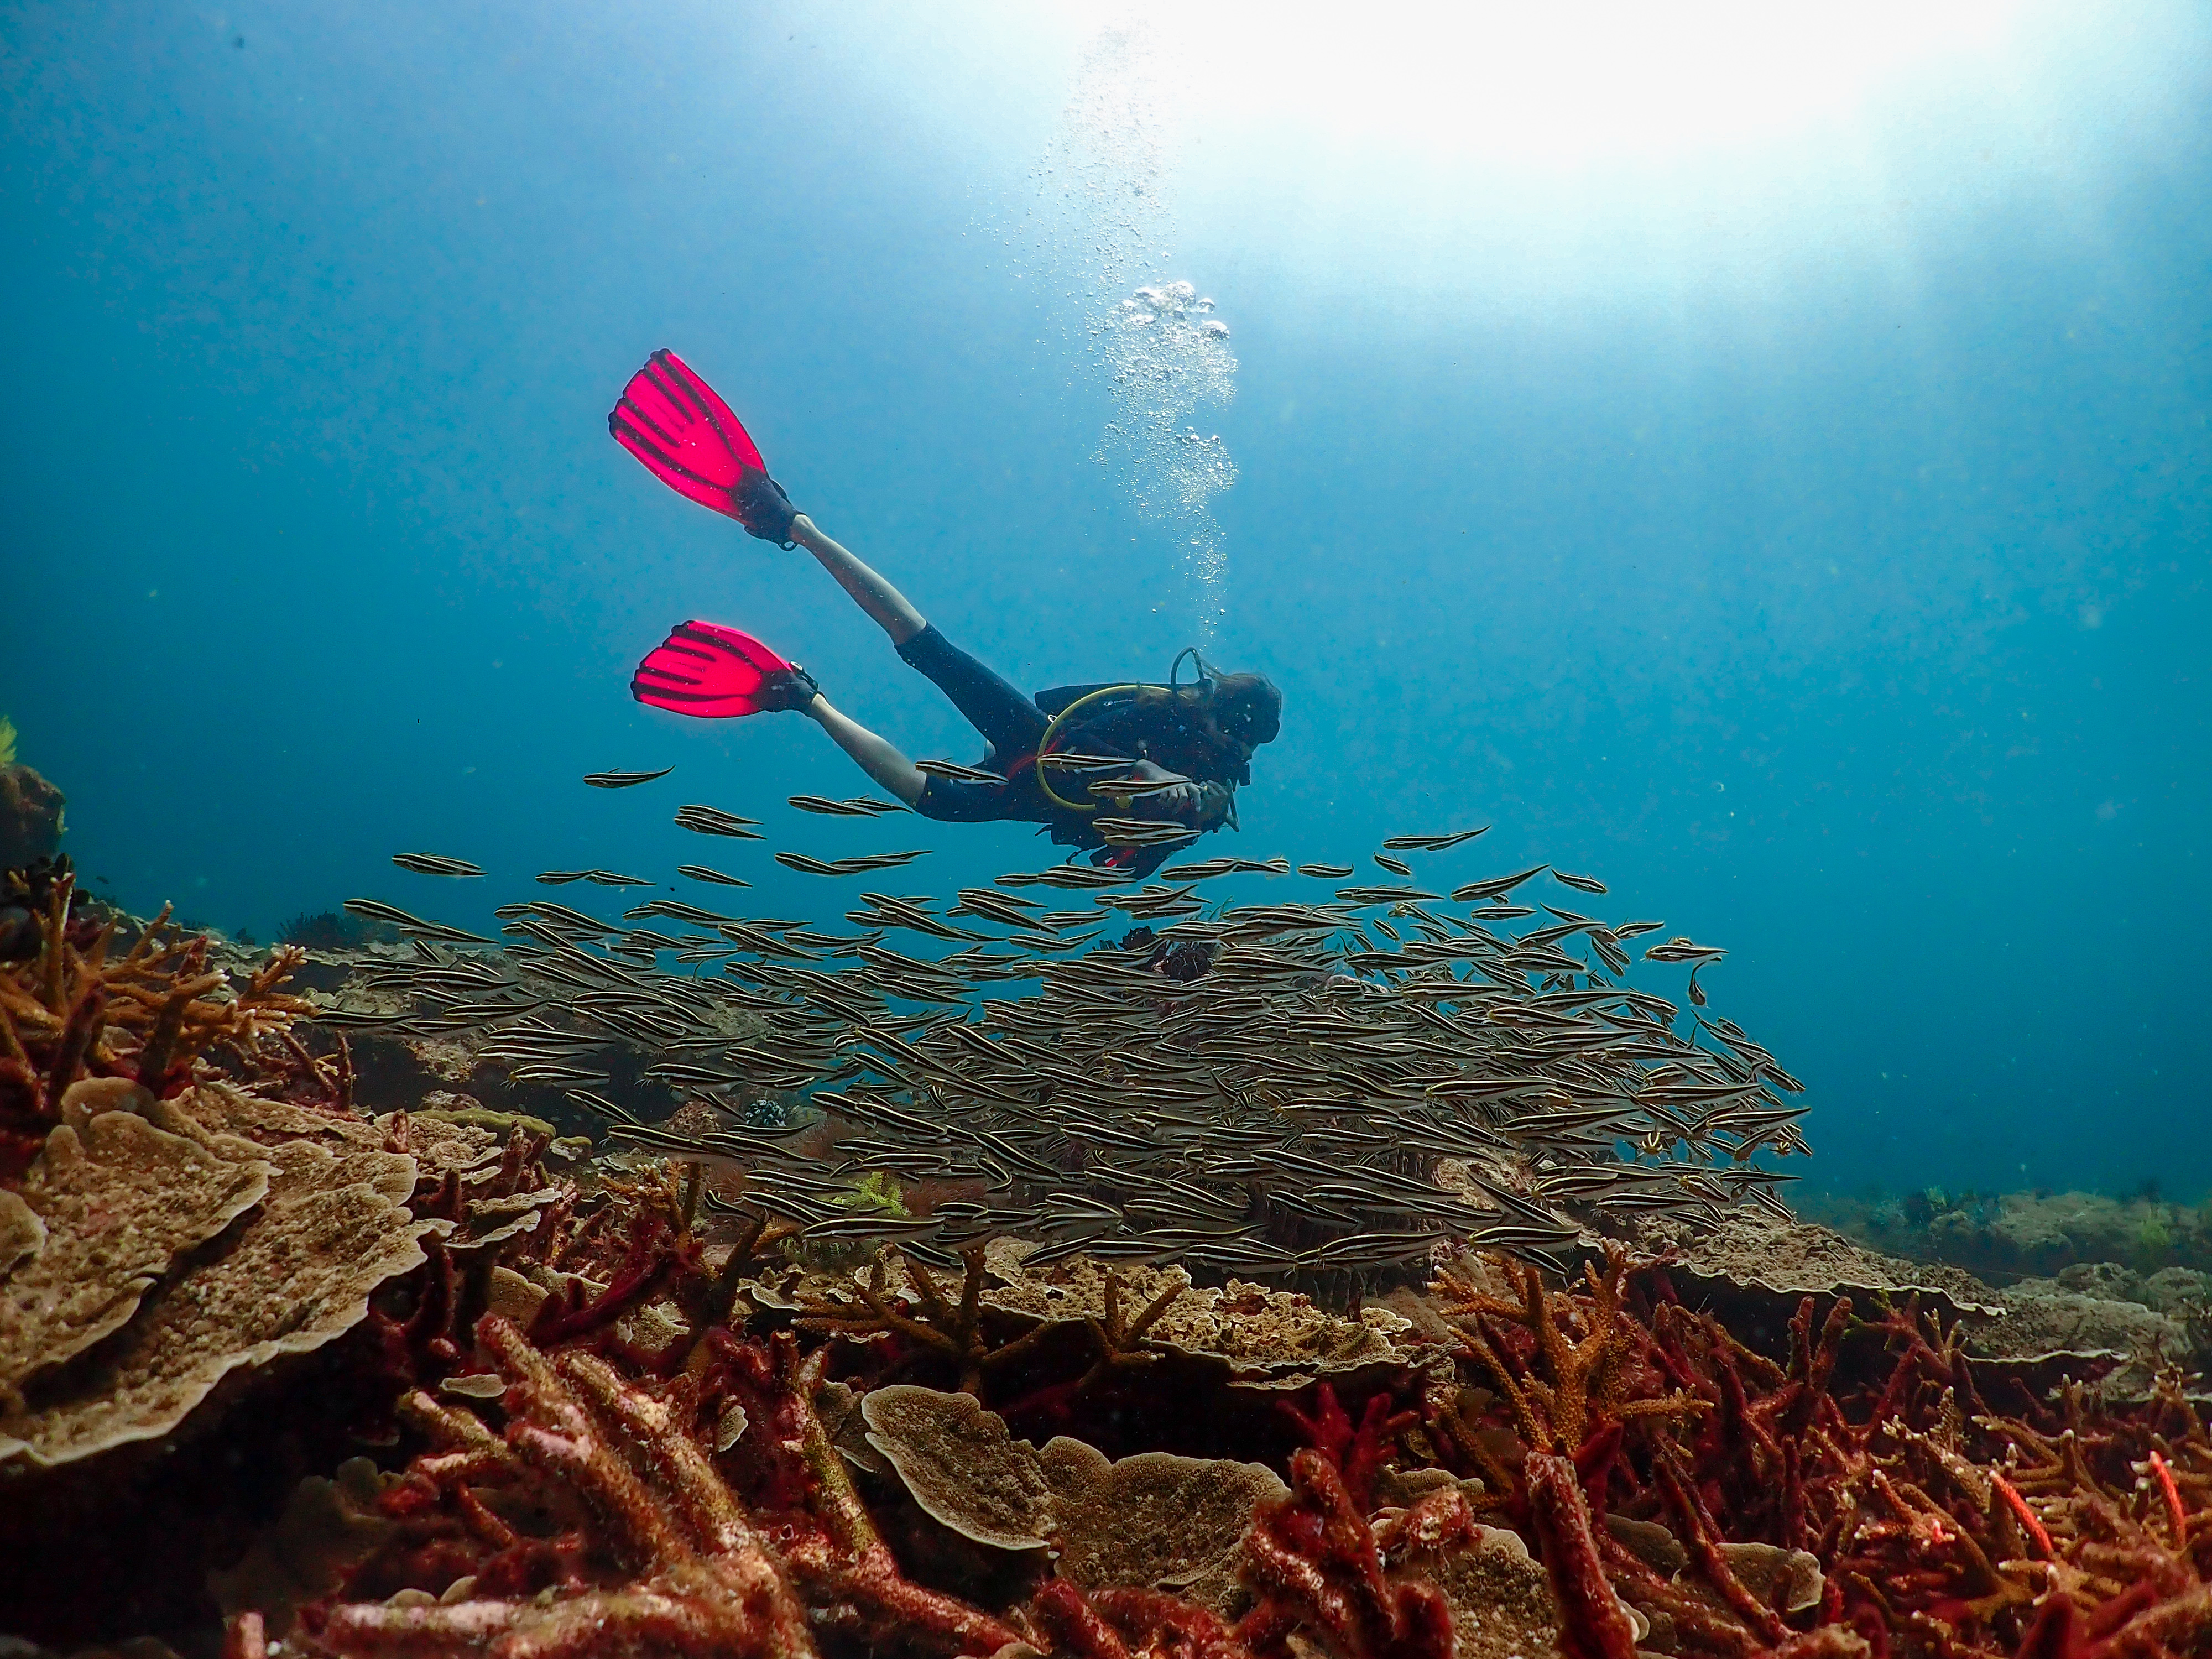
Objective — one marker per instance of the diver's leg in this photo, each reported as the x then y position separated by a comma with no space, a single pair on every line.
885,605
1011,723
878,756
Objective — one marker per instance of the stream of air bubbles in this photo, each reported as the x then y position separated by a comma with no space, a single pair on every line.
1148,340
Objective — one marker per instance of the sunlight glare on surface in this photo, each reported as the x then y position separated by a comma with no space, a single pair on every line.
1568,85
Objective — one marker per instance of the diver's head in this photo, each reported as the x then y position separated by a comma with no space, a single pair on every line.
1246,707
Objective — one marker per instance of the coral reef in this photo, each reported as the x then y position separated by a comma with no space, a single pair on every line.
1589,1470
511,1396
2029,1234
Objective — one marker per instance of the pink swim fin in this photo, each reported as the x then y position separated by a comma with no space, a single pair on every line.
707,671
671,420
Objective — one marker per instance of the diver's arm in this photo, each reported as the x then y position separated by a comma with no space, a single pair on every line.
875,755
884,604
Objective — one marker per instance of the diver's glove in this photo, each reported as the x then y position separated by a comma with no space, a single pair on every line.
758,502
787,688
1217,805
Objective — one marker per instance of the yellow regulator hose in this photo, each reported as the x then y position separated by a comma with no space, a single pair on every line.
1045,743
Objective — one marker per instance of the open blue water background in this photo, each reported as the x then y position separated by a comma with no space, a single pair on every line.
1810,540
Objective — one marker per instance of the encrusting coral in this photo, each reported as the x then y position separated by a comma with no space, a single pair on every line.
167,1228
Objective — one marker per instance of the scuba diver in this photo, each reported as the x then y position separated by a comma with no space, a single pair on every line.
1176,753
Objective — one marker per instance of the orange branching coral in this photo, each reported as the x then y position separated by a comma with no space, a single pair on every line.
1562,1389
952,1330
75,1011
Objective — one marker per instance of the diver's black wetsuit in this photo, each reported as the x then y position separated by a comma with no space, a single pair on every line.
1013,725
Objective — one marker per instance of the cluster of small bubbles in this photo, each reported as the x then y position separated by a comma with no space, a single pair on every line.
1097,231
1166,356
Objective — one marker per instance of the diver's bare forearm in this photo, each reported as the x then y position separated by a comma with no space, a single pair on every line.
876,756
886,606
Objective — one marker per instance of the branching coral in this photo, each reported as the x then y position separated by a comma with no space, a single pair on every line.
1319,1570
1741,1503
596,1522
76,1010
943,1328
701,1576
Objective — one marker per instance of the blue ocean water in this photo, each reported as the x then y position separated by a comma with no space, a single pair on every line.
1802,527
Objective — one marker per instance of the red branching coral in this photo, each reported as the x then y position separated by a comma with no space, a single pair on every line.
1939,1527
584,1444
1129,1624
1318,1570
1355,1453
1593,1624
596,1521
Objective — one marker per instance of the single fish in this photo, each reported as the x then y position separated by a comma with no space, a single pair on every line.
1131,788
675,910
1580,884
700,872
1078,763
1325,872
1495,887
1395,866
1081,875
623,780
874,1226
1142,832
1431,843
852,866
555,1072
955,773
435,864
1364,895
1681,949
